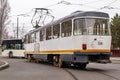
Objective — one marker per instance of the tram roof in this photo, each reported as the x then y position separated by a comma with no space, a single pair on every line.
77,14
80,14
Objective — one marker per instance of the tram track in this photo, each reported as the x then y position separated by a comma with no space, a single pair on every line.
108,75
102,73
76,78
71,74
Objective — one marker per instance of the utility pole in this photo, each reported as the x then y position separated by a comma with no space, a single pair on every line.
17,27
13,29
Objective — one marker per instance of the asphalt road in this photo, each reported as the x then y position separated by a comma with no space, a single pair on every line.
21,70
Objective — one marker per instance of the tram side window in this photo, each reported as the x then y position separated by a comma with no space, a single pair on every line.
48,33
42,34
56,31
37,36
79,27
66,28
32,38
28,39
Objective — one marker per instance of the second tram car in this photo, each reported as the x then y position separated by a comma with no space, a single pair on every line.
77,39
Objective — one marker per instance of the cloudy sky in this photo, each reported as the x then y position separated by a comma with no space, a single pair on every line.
59,8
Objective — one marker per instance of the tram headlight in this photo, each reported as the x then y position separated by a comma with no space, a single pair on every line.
84,46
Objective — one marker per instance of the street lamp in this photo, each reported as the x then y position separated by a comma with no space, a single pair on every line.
24,15
17,26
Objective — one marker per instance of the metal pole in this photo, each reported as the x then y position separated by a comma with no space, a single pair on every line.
17,26
13,29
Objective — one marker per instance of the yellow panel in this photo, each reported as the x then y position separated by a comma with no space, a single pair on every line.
67,51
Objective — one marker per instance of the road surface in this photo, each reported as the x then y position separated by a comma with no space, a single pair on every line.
20,69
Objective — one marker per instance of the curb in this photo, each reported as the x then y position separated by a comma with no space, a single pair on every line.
4,65
115,61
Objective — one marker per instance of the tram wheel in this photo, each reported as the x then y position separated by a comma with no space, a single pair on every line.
36,60
60,63
29,58
55,60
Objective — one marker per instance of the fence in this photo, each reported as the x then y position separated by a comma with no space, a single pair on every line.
115,53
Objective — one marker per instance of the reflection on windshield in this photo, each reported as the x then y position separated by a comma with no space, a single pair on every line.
91,26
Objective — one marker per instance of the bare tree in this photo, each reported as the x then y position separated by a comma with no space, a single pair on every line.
4,17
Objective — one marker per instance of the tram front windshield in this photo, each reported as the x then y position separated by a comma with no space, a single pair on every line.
91,26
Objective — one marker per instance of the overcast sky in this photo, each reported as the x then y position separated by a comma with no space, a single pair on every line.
59,10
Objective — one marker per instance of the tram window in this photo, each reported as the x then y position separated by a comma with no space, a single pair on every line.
26,41
42,34
79,27
28,38
101,27
48,33
66,28
32,37
90,25
56,31
37,36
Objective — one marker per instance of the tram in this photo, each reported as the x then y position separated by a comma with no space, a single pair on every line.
76,39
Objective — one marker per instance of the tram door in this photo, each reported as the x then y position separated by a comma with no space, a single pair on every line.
36,48
36,44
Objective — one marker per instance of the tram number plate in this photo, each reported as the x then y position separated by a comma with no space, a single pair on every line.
100,43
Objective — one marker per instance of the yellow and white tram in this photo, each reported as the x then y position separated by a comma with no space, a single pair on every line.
77,39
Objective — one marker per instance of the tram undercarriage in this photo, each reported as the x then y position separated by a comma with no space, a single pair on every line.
76,59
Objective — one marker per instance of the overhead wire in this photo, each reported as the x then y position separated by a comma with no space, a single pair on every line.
69,3
109,6
84,4
93,2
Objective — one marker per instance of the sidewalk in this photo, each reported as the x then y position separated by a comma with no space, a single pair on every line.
115,60
3,64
